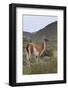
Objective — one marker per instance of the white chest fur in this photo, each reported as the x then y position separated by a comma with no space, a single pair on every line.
36,53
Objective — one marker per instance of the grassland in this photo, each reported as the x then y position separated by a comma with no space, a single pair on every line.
44,65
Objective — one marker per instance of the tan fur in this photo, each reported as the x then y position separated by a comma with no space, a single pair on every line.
36,49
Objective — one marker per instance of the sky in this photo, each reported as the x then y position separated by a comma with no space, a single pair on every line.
33,23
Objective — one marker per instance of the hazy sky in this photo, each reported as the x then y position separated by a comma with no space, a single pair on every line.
32,23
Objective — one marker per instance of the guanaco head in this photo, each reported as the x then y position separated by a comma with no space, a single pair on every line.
45,39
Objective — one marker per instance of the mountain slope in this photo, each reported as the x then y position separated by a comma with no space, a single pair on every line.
27,35
50,32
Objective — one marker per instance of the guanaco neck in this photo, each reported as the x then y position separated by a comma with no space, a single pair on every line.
45,45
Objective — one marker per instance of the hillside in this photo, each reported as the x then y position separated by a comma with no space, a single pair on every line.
50,32
27,35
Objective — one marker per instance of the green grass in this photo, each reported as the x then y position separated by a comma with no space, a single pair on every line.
44,65
41,68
